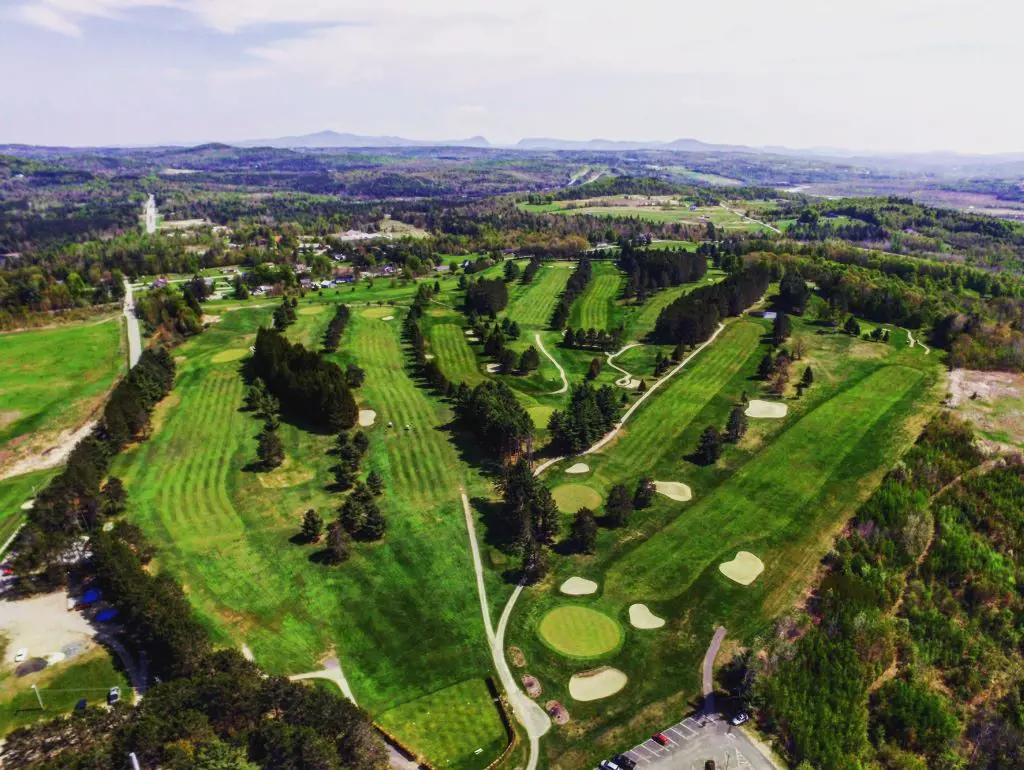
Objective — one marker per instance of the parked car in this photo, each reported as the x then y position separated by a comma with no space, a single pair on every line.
625,762
609,765
661,739
114,695
80,706
740,718
20,655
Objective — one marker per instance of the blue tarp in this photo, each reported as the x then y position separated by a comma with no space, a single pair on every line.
106,615
90,597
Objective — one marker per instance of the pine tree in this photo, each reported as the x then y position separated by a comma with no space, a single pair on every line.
642,388
584,531
852,326
619,506
595,369
535,562
312,526
375,482
270,449
766,367
339,544
781,329
360,442
374,524
737,425
710,448
544,515
530,360
644,494
808,378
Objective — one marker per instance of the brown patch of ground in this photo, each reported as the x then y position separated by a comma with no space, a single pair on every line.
993,401
864,350
557,711
532,686
517,657
9,416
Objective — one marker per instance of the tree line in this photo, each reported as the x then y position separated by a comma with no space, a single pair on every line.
692,318
651,270
574,287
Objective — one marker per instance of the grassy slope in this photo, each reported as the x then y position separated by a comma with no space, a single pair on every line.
402,614
51,379
597,307
781,493
454,355
13,493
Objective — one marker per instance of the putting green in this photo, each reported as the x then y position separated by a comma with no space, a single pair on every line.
571,497
580,632
540,415
231,354
377,312
312,309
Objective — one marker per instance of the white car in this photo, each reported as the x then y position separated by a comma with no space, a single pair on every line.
114,695
20,655
740,718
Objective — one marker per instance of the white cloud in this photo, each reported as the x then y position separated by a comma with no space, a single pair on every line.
47,18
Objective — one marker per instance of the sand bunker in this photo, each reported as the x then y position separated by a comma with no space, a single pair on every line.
674,490
631,384
597,683
472,338
29,505
744,569
578,468
770,409
388,318
367,417
428,357
470,333
493,368
577,586
641,617
232,354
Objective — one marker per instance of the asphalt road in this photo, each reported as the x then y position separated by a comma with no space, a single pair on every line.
132,323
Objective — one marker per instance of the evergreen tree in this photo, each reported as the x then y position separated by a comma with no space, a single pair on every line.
535,563
374,524
544,514
619,506
344,475
781,329
507,361
270,449
737,424
583,532
360,442
115,499
644,494
766,367
710,448
530,360
808,378
339,543
375,482
793,293
642,388
852,326
312,526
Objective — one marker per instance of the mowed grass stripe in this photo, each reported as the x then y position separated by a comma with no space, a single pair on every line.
665,416
594,309
454,355
535,306
764,497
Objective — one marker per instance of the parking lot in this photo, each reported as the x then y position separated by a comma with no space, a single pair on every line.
697,739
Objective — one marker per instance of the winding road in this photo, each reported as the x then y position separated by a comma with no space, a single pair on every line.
624,380
910,338
558,366
531,716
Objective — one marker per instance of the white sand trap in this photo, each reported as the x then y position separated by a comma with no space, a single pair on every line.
28,506
493,368
630,384
577,586
744,569
388,318
770,409
470,333
674,490
367,417
597,683
472,338
429,356
641,617
578,468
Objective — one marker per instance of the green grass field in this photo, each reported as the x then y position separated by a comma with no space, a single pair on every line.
580,632
782,493
14,492
448,729
532,304
454,355
52,379
571,497
60,687
401,615
663,210
597,307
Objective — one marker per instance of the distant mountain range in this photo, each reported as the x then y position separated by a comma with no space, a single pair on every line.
335,139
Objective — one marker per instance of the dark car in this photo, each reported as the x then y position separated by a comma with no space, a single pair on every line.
625,762
661,739
80,706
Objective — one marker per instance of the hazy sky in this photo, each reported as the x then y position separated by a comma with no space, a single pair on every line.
875,74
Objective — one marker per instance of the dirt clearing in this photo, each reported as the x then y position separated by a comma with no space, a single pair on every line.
43,625
993,401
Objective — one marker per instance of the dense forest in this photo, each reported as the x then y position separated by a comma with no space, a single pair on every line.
692,318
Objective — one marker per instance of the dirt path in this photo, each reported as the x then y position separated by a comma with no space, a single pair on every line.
137,675
912,341
624,380
558,366
332,673
132,323
51,457
531,716
708,669
636,405
749,219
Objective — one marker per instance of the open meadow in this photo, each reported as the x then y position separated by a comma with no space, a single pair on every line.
52,380
772,502
402,615
649,208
